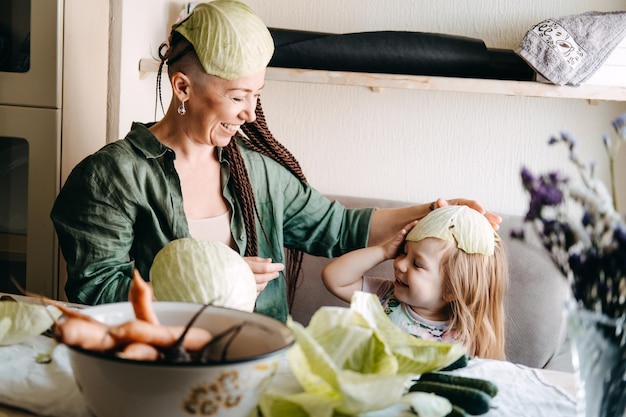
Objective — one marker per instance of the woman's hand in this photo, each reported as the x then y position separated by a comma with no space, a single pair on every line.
264,270
493,218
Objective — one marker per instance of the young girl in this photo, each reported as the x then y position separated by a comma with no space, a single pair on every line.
450,279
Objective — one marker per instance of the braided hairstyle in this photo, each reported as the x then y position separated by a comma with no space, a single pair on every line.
258,138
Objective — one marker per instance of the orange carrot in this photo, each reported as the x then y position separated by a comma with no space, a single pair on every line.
90,335
139,352
141,296
138,339
71,312
67,311
159,336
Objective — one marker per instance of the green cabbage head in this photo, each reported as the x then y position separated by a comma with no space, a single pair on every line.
203,271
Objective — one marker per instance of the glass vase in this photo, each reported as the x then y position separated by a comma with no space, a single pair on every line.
599,360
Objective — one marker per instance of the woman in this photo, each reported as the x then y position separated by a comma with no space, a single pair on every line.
186,176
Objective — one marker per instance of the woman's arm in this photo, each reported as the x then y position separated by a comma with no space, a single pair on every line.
344,275
95,238
385,221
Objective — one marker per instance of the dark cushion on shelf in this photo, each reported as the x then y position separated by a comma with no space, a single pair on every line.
396,52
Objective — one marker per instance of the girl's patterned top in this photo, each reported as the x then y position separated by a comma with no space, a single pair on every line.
403,316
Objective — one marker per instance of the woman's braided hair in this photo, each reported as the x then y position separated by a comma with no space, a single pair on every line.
258,138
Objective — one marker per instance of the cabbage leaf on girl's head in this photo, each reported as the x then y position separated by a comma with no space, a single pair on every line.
354,360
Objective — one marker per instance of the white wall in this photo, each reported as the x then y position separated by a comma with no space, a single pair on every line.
401,144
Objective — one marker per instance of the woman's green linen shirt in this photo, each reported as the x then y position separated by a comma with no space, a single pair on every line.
121,205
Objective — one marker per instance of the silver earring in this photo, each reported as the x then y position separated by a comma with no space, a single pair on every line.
181,109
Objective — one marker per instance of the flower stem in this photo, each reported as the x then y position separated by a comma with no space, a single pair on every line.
612,175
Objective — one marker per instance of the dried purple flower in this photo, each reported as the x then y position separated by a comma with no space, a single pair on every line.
606,139
619,124
590,245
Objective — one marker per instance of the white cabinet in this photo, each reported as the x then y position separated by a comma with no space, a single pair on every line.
53,99
85,89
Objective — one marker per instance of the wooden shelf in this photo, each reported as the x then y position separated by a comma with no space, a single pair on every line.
376,82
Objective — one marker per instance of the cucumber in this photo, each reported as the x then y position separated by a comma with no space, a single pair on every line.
487,387
472,400
457,412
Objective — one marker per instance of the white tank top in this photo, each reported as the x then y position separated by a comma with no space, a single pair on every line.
215,228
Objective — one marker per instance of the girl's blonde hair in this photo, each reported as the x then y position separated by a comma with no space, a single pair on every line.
475,286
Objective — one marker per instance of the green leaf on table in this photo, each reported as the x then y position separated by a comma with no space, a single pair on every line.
20,321
354,360
414,355
302,404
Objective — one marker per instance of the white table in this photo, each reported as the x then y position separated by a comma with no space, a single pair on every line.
563,380
557,389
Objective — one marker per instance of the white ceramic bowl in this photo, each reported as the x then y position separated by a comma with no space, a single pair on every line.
114,387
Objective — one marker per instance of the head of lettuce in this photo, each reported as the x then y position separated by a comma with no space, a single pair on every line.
351,361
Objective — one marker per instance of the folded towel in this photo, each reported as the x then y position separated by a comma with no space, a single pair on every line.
568,50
